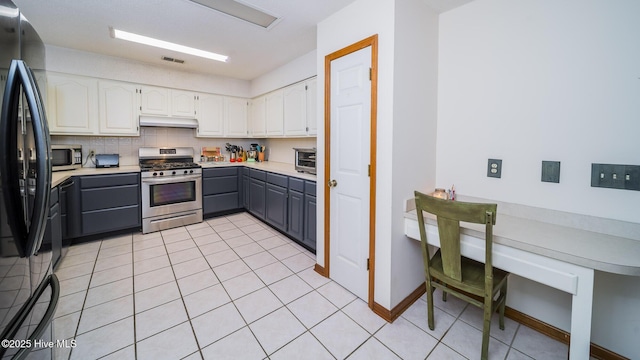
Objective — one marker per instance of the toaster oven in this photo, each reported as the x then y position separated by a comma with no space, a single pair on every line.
305,160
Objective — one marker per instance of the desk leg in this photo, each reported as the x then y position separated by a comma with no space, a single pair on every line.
581,310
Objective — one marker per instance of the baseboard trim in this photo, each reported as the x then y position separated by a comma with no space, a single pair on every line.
391,315
320,270
596,351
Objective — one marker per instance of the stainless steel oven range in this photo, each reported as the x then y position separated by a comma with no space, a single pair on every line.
171,188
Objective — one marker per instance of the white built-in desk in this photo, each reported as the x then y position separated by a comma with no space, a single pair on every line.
557,255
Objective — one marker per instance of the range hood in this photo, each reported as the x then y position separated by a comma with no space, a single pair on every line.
164,121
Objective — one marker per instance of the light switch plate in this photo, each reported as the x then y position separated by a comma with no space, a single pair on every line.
551,171
616,176
494,168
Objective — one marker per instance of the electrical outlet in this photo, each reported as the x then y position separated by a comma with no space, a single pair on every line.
615,176
494,168
92,153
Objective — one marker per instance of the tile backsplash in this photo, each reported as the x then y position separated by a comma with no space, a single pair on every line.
127,146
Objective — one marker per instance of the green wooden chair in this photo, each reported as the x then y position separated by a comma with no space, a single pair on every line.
452,273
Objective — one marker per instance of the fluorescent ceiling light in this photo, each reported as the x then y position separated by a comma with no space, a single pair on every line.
240,11
123,35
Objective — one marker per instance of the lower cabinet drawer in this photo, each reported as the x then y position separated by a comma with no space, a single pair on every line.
110,197
219,185
220,202
99,221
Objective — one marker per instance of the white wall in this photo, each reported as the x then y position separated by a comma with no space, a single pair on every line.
107,67
406,121
281,150
537,80
414,133
338,31
296,70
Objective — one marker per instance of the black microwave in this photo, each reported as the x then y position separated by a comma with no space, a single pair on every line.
66,157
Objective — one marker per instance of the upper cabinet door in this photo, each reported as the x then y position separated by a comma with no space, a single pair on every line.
210,115
72,104
183,103
154,101
236,117
118,108
258,120
274,113
295,110
312,106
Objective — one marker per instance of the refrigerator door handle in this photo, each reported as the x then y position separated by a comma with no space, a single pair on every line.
13,328
21,74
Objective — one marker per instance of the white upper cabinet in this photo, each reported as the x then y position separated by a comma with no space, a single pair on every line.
118,108
300,109
274,113
295,110
183,103
258,120
154,101
235,117
312,106
210,115
72,104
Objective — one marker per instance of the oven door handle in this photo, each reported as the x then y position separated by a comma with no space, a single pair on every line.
171,179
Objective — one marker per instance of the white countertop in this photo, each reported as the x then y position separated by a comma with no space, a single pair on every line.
272,166
590,249
57,177
277,167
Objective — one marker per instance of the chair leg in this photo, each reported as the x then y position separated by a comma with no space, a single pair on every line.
444,294
430,306
503,290
486,329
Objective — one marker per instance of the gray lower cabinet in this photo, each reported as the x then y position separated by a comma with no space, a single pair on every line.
309,238
53,232
286,203
110,202
257,193
246,181
71,210
220,190
276,201
295,226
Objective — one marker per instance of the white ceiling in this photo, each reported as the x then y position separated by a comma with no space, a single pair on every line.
252,50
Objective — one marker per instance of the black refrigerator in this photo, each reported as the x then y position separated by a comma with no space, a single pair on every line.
29,290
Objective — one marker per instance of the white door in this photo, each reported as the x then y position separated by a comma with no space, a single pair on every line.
350,150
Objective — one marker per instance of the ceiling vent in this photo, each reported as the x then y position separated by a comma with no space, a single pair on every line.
166,58
241,11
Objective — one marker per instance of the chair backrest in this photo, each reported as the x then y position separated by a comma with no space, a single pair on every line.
449,214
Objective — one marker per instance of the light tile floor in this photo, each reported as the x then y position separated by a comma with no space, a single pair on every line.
233,288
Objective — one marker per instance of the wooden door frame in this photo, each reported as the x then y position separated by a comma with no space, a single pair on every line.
373,42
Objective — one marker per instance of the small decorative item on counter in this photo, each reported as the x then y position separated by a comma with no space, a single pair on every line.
440,194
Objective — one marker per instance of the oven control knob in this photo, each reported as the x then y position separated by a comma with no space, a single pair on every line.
191,171
161,173
155,174
185,171
173,173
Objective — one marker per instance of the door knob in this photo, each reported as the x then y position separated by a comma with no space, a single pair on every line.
332,183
